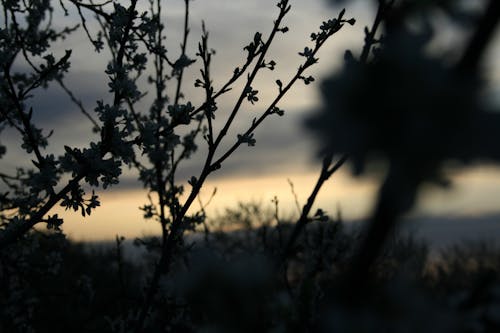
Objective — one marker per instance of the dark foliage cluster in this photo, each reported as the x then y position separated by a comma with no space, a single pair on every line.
233,282
415,109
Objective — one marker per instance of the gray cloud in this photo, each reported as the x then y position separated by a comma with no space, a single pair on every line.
282,145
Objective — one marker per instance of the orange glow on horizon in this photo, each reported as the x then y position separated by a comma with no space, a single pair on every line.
119,212
473,193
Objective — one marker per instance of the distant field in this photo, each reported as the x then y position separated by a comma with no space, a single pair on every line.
438,232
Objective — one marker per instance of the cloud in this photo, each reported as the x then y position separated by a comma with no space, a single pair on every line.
282,146
280,142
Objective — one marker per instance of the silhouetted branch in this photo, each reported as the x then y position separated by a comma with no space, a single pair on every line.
327,170
481,38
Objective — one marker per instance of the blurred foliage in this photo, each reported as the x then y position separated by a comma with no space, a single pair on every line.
233,281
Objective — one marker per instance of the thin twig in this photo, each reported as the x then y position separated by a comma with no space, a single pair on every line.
78,103
327,170
183,52
295,196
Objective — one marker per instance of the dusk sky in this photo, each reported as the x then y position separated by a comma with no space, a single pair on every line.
284,149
